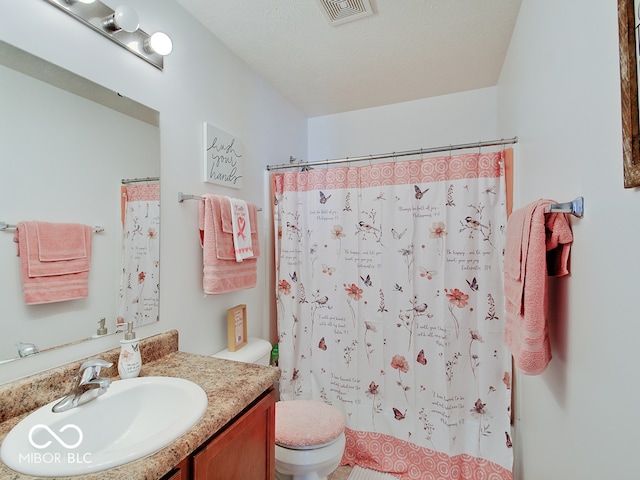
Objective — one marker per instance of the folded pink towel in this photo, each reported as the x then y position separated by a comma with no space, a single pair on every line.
39,268
60,241
221,272
537,245
51,281
559,239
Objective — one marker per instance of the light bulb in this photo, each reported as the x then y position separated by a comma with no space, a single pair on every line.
159,43
124,18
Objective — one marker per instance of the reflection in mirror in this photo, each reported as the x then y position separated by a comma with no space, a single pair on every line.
140,284
67,143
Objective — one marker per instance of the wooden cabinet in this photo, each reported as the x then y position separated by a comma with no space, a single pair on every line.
243,450
182,471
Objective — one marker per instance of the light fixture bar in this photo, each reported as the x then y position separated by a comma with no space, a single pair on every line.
93,16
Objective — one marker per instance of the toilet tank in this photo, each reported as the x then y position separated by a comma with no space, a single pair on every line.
256,350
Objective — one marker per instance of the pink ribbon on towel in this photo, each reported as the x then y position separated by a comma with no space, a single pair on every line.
242,224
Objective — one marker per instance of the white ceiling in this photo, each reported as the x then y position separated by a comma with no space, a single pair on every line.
407,50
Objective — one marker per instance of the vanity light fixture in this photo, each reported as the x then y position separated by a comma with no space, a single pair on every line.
124,18
120,26
159,43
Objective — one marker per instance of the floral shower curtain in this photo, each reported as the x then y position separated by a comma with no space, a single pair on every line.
389,304
140,281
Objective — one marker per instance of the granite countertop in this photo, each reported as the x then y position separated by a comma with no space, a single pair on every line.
219,378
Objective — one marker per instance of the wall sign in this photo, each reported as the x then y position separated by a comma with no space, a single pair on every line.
222,157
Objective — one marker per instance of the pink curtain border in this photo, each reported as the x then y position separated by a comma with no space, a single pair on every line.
408,461
437,169
137,193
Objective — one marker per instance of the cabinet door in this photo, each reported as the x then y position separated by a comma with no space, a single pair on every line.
245,449
180,472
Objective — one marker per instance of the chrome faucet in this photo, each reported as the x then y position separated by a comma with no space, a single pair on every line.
88,385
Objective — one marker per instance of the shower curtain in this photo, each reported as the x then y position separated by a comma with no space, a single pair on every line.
140,281
389,307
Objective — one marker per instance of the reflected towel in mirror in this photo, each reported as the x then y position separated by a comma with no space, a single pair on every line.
52,281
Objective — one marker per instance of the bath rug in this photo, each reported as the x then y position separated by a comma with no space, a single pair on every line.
359,473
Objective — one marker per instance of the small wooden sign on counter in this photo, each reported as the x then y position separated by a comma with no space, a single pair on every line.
236,327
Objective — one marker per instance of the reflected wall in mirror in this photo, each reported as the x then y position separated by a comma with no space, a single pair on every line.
63,159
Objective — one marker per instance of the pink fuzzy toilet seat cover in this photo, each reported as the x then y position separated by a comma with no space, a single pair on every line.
307,423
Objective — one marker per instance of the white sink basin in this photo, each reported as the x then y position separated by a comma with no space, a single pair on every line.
134,418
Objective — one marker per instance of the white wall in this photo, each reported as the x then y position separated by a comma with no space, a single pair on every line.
560,93
202,81
432,122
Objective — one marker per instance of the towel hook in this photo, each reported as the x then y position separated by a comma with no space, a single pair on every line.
575,207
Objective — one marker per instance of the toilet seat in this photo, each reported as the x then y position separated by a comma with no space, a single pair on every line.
307,424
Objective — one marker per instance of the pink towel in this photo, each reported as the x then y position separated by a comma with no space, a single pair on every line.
226,246
61,241
537,245
52,281
221,272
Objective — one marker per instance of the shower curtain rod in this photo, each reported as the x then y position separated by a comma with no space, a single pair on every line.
136,180
421,151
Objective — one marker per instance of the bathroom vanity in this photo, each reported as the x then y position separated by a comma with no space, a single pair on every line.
235,437
243,449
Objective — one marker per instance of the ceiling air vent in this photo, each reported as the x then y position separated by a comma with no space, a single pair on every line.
343,11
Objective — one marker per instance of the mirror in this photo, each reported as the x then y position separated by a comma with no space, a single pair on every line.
67,143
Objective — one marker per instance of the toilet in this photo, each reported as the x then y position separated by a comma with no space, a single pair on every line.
309,435
256,350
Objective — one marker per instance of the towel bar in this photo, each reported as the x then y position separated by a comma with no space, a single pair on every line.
575,207
183,196
8,226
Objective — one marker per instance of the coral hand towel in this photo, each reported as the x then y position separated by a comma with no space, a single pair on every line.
61,241
221,272
537,245
52,281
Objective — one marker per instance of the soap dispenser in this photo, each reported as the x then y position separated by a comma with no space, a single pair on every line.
130,360
102,330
